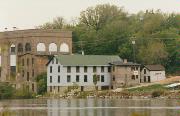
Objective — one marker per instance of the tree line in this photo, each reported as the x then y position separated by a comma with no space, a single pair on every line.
109,29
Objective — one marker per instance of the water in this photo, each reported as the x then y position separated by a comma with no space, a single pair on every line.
91,107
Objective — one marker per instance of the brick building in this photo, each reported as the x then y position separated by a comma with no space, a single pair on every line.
24,54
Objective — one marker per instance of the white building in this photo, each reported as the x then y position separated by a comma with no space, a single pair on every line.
152,73
69,70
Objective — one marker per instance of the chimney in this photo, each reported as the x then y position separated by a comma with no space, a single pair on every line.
125,61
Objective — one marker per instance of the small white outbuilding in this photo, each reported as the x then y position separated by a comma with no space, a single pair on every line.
152,73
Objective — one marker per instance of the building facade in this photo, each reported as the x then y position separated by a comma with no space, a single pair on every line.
125,74
24,54
152,73
64,71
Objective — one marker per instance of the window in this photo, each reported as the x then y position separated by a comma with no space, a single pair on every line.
109,69
68,78
56,61
68,69
136,68
77,69
144,71
136,76
77,78
102,78
50,69
27,61
32,61
94,69
27,76
33,73
85,78
102,68
85,69
28,47
22,62
133,77
114,78
59,79
132,68
20,47
22,73
50,79
13,48
59,68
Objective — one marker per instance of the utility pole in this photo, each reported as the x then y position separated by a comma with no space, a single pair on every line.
133,43
81,45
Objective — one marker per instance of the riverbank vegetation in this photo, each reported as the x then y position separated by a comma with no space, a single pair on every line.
109,29
7,91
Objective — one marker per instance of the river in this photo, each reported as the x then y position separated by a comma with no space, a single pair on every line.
91,107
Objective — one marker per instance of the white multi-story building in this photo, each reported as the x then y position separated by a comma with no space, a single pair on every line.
69,70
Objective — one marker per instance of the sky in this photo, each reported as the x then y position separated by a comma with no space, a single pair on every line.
26,14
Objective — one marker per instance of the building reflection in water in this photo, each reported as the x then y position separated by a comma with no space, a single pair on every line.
78,107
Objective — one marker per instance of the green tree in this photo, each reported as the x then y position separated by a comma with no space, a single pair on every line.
41,83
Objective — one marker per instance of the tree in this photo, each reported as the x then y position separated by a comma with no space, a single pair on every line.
95,80
58,23
6,91
41,83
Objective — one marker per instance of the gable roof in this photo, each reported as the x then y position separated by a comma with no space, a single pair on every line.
84,60
156,67
120,63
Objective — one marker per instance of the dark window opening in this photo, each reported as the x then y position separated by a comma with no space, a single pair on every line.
27,76
13,50
59,68
94,69
144,71
77,78
59,79
85,78
50,79
20,47
50,69
77,69
133,77
109,69
28,47
68,78
68,69
102,68
85,69
102,78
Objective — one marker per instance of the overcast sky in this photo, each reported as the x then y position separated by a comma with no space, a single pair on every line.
26,14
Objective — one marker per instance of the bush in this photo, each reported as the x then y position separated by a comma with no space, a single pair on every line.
24,94
157,93
41,83
6,91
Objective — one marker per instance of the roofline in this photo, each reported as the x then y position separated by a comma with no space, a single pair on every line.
50,60
152,70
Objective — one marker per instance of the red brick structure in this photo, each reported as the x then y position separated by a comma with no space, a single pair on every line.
24,54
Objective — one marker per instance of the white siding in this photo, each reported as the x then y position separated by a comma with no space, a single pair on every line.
63,74
157,75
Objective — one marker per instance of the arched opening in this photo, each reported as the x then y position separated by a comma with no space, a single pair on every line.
20,47
64,47
28,47
13,48
41,47
52,47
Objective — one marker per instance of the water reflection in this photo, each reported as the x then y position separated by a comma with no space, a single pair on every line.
91,107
